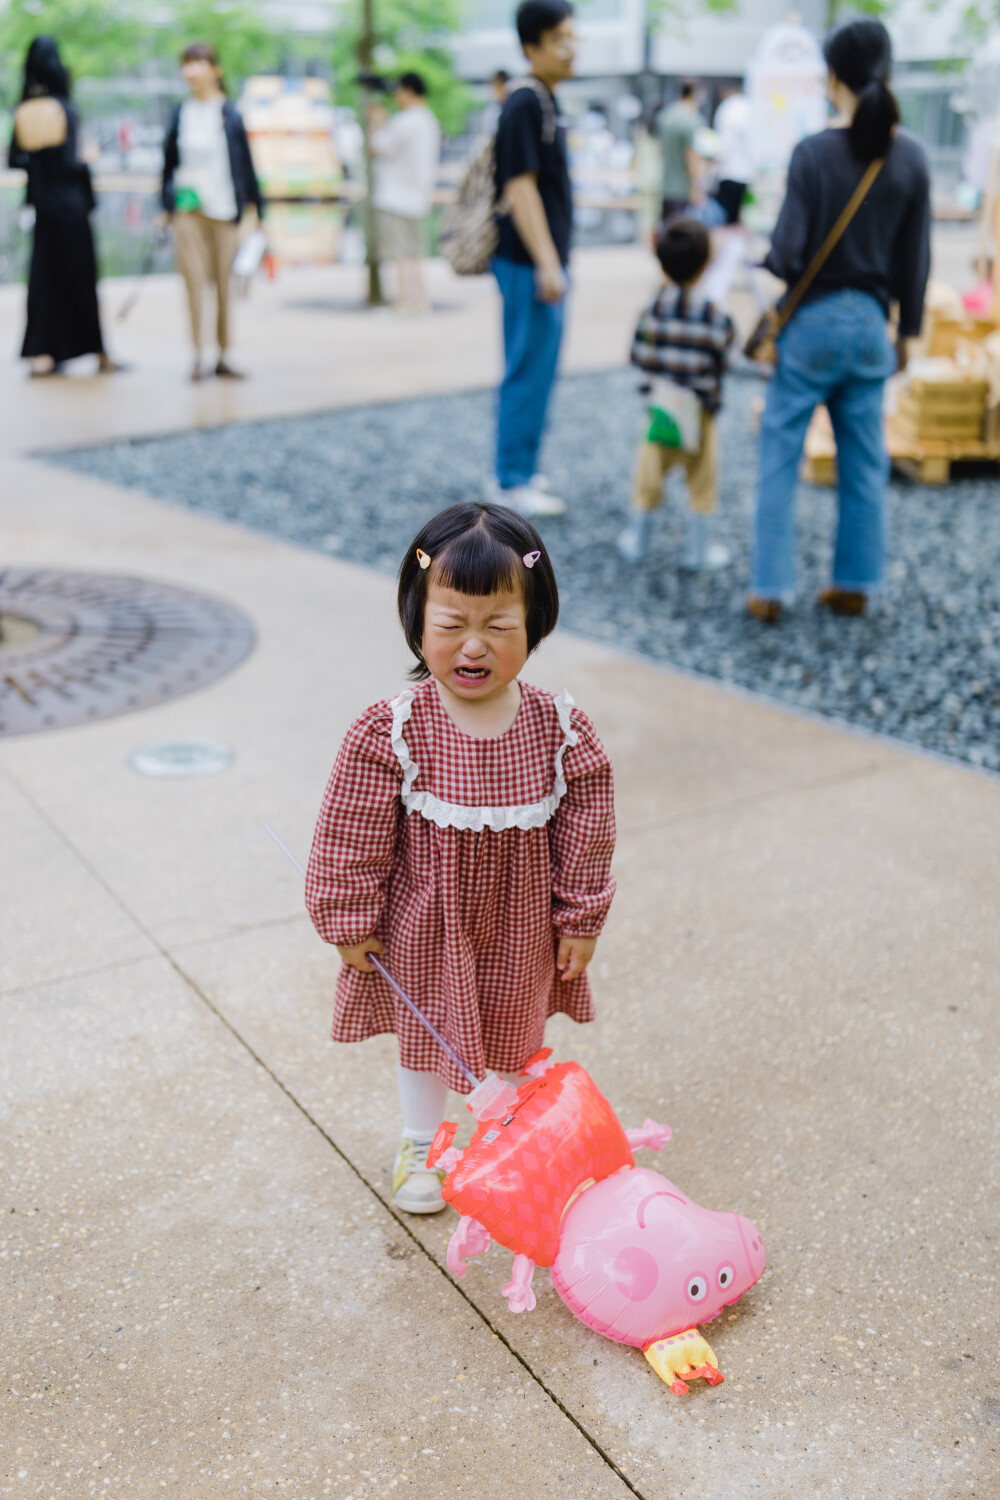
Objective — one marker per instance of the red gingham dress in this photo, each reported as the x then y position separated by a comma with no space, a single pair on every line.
468,858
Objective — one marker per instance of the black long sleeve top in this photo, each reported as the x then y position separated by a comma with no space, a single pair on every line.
58,182
885,250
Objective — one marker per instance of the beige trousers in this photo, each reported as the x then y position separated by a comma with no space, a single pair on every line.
205,251
655,461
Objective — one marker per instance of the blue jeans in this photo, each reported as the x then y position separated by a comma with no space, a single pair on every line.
532,333
834,350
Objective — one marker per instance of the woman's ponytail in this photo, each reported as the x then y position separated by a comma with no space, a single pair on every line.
859,54
875,118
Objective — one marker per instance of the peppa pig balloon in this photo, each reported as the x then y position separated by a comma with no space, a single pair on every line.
550,1175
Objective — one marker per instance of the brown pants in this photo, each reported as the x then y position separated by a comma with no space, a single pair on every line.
655,461
205,250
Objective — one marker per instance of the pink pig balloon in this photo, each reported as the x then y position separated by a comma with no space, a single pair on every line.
639,1261
553,1178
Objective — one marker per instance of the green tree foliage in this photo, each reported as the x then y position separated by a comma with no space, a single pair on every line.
118,38
410,36
244,39
843,10
97,38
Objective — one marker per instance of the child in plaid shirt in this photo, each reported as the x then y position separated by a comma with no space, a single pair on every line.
682,338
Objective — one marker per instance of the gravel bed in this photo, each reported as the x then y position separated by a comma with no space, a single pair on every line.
924,666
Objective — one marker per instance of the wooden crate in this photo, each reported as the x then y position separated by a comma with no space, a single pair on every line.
946,425
819,457
946,333
927,460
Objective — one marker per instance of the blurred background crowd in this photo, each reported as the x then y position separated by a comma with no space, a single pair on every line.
292,67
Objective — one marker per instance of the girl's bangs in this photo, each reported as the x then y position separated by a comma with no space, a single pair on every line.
476,563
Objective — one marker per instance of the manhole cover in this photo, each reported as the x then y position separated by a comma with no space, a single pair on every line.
81,646
174,758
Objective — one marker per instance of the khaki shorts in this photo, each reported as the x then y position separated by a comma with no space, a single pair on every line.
655,462
399,237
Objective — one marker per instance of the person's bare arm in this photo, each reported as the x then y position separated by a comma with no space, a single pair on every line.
528,212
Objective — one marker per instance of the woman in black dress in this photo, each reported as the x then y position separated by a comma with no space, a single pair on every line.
63,318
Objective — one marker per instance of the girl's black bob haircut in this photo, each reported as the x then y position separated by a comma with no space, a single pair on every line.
477,549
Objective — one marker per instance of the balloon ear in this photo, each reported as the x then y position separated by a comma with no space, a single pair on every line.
423,559
530,558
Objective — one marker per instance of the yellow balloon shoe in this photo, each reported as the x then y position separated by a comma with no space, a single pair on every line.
683,1357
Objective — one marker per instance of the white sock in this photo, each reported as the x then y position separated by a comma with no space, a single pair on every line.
422,1099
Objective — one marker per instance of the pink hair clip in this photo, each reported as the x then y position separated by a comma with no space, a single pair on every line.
423,559
530,558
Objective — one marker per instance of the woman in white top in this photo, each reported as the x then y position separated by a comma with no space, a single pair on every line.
208,180
406,148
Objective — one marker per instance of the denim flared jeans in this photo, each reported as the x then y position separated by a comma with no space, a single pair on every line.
532,334
836,350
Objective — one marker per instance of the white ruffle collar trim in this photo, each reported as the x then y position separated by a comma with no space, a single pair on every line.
455,814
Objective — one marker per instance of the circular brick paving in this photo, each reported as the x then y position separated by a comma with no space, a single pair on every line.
76,647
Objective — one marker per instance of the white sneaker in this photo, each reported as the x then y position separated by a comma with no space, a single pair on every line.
416,1188
528,501
493,494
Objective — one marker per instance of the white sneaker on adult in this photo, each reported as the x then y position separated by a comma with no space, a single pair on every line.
528,501
416,1188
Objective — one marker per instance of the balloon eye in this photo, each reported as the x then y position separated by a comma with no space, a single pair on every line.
726,1277
697,1288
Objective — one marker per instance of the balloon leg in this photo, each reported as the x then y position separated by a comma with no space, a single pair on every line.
469,1239
520,1297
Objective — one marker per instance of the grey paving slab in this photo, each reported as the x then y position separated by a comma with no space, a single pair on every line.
201,1298
55,918
825,1087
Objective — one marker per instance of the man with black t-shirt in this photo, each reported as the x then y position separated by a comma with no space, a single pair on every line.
535,221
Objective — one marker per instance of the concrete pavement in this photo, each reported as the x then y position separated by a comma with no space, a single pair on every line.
205,1292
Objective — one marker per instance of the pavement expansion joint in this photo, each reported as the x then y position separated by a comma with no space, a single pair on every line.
75,974
220,1015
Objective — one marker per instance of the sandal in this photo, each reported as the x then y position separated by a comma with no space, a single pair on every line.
843,601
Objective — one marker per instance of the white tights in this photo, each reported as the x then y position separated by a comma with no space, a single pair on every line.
422,1098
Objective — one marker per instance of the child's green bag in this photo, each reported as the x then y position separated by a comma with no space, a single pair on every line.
674,416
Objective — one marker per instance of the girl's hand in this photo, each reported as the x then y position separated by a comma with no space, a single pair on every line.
356,956
574,955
